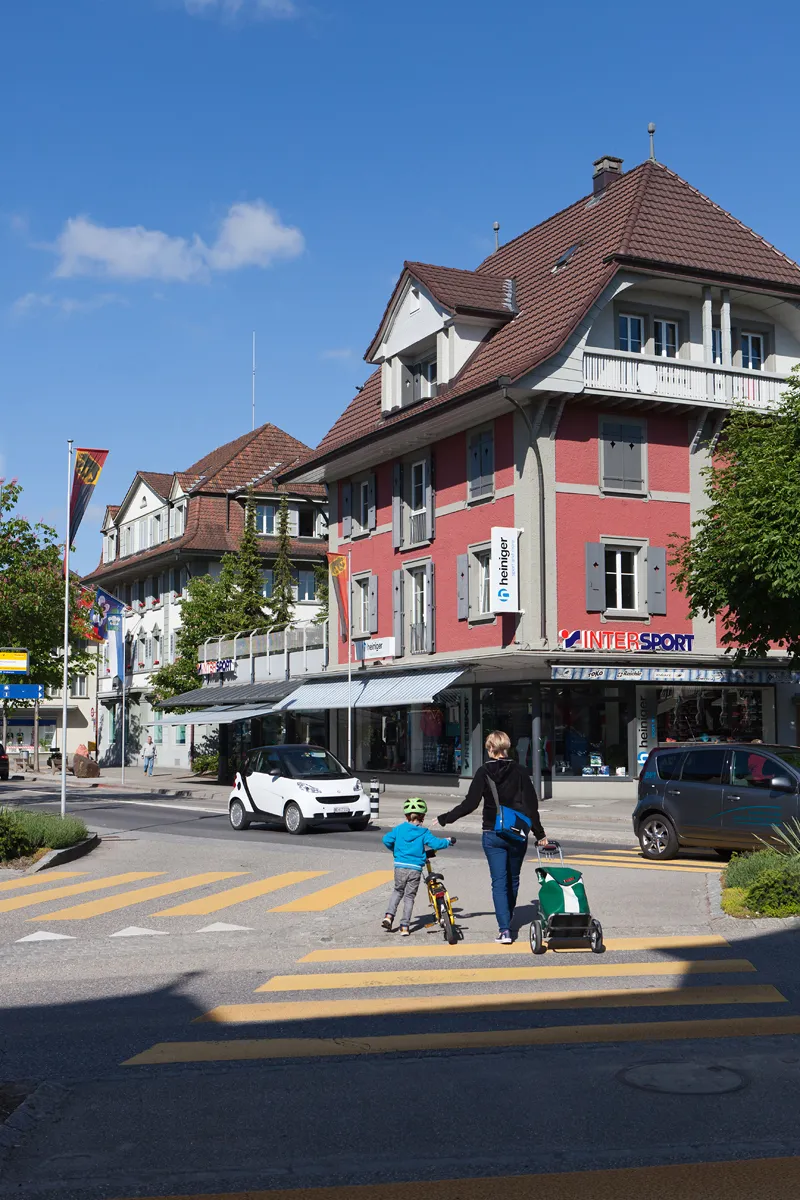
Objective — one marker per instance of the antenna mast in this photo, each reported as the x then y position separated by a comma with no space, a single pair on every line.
254,379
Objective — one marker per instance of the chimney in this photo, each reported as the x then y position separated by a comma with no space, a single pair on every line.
606,171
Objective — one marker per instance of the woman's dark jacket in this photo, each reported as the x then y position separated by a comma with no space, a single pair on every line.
514,788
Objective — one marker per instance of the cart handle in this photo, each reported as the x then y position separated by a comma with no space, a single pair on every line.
549,850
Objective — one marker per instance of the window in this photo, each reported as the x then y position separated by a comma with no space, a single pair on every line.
78,687
267,582
156,589
110,546
752,351
669,765
665,336
361,606
265,518
178,519
752,769
703,766
482,564
184,580
126,541
417,514
156,529
419,611
621,579
716,346
481,465
306,522
180,735
158,734
362,504
423,375
306,584
156,647
622,457
631,333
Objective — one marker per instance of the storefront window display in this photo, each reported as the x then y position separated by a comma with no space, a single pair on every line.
586,729
715,714
511,710
414,739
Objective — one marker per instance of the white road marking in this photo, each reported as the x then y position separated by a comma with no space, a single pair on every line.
135,931
221,927
42,935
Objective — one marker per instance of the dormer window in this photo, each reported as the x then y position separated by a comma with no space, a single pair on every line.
419,379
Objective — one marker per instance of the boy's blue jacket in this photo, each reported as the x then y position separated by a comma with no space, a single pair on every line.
409,843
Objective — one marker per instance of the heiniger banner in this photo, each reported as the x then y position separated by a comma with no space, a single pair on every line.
504,571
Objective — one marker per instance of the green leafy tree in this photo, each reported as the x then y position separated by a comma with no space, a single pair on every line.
204,614
282,600
246,592
743,558
322,581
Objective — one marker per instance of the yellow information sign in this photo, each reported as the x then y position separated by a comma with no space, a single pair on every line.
14,662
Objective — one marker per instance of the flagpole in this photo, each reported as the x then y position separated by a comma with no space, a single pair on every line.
349,666
65,693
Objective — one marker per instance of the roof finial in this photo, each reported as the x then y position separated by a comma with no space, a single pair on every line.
496,228
651,129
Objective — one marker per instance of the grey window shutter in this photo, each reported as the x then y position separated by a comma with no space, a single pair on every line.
487,463
430,500
397,610
406,384
462,583
595,577
632,458
371,509
430,610
475,478
613,470
397,505
347,509
657,581
373,604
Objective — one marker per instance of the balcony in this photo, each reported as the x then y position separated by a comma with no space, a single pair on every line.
418,527
676,379
419,639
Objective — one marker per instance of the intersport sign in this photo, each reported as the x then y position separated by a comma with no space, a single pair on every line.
623,639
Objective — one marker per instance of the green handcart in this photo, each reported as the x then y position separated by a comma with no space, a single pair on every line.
564,920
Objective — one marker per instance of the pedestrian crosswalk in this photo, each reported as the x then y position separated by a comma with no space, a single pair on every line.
357,1016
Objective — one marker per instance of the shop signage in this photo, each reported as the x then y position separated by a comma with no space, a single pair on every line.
216,666
14,662
375,648
504,570
674,674
623,639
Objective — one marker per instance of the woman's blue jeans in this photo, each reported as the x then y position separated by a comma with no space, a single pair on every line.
505,860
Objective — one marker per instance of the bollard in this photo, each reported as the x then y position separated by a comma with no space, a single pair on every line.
374,799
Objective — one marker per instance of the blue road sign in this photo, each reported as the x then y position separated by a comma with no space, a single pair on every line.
21,691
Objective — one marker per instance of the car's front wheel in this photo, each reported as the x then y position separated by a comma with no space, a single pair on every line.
293,819
238,815
657,837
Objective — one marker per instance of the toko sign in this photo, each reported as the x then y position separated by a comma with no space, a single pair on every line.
623,639
504,571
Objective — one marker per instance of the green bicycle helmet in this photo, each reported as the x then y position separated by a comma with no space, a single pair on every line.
415,805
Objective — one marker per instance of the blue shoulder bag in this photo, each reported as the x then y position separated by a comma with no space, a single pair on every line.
509,824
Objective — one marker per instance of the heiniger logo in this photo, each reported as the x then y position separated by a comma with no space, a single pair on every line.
504,569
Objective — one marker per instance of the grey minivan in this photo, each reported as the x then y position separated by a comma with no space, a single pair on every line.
722,796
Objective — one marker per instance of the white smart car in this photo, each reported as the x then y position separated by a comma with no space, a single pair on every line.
299,786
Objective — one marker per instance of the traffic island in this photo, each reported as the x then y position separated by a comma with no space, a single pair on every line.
35,841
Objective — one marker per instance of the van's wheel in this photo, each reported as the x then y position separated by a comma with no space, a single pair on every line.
596,937
657,837
238,816
537,937
293,819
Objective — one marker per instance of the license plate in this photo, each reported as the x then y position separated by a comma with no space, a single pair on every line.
340,810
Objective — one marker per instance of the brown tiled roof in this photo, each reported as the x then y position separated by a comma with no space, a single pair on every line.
248,459
158,481
650,218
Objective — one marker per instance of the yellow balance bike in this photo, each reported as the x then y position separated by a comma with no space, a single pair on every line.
441,901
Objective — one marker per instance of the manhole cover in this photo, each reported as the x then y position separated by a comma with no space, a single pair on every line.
683,1079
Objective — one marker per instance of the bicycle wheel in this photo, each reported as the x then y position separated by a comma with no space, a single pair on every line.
446,922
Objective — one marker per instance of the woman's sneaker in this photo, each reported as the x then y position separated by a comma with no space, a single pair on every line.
387,922
405,931
504,936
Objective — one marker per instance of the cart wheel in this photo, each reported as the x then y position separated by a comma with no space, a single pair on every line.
596,938
537,937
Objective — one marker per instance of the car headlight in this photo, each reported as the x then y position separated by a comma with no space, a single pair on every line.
309,787
358,785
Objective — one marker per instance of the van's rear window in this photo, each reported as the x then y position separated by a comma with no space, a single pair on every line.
669,765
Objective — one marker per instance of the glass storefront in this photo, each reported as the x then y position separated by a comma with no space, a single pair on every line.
714,714
413,739
510,709
586,729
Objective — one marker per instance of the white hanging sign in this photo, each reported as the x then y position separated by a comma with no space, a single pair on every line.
504,570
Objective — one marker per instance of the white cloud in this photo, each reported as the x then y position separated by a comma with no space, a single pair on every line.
259,9
66,305
339,355
251,234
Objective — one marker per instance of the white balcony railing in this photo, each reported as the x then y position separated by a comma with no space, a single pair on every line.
612,371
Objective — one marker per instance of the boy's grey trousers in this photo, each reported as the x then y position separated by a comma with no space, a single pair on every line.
406,885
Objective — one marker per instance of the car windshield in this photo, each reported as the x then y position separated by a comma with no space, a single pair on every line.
307,762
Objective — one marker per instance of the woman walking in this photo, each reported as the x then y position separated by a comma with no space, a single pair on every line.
513,789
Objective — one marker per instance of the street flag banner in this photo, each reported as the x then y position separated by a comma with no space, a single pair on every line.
105,617
88,465
339,579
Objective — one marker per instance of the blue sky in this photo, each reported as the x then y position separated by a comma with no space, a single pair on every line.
177,173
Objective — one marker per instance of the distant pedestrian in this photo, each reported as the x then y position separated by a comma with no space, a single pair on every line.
408,841
149,756
501,781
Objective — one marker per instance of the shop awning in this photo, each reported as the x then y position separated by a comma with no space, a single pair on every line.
212,716
403,687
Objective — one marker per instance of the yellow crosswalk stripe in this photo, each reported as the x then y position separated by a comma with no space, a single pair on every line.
423,978
329,897
244,1049
693,864
485,949
74,889
742,1179
95,908
579,861
33,880
246,891
315,1010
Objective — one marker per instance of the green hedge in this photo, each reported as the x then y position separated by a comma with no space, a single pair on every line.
744,869
22,833
776,893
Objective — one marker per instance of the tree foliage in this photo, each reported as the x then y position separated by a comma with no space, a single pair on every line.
246,596
742,561
281,605
32,597
204,614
